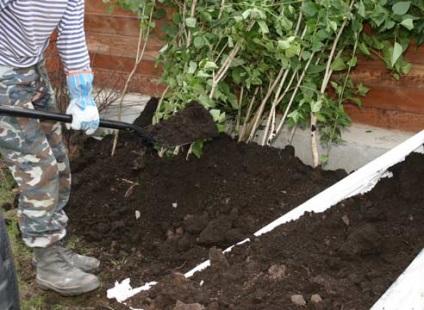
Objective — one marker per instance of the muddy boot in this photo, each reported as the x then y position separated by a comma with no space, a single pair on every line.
85,263
55,273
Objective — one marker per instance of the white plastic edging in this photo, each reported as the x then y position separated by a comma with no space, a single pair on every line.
122,291
407,293
358,182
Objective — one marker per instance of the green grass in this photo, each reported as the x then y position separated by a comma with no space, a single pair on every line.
7,185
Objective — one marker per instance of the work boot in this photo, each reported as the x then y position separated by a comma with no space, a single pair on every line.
55,273
85,263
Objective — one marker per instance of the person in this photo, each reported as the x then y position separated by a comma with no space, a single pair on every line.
33,150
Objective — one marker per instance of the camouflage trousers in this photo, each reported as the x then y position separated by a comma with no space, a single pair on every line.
35,155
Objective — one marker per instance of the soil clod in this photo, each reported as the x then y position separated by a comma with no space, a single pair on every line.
191,124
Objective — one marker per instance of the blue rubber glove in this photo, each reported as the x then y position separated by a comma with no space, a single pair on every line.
85,115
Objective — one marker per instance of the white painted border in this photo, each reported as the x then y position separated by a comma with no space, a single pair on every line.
358,182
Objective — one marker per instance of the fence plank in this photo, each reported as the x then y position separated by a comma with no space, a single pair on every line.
116,45
384,118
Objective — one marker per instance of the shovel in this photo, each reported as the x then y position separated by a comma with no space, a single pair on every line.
191,124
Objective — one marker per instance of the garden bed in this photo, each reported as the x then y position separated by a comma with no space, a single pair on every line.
149,219
348,255
344,258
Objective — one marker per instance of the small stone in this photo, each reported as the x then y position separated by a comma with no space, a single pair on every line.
218,259
298,300
278,272
316,299
179,231
182,306
346,220
195,223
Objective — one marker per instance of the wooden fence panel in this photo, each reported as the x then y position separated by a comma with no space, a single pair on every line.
112,41
390,103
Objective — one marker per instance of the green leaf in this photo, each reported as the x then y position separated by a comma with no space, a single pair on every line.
353,61
176,18
230,42
192,67
338,65
305,54
320,117
256,13
285,44
238,74
324,159
401,8
191,22
332,25
216,114
361,9
198,88
357,101
264,27
397,52
405,68
310,8
197,148
221,127
389,24
159,14
203,74
286,23
317,45
293,50
210,65
198,42
295,115
408,23
362,90
316,106
364,49
246,13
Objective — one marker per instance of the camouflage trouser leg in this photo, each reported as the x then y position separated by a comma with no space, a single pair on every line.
35,155
9,293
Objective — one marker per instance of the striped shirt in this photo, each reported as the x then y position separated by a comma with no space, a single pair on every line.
26,27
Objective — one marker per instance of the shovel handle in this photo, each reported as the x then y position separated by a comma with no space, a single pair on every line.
67,118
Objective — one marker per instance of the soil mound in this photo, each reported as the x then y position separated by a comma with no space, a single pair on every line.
147,217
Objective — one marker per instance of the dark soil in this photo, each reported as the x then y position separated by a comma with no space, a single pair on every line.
190,208
188,125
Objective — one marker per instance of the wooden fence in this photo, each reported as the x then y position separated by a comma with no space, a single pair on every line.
391,104
112,41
